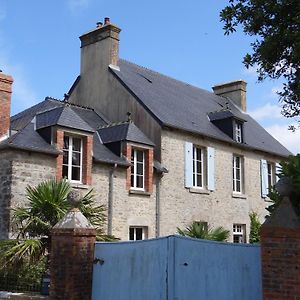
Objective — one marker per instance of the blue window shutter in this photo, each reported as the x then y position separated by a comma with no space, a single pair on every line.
188,164
264,178
277,170
210,168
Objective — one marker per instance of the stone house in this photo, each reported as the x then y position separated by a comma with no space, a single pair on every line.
159,153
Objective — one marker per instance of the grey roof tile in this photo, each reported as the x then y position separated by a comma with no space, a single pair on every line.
183,106
28,139
103,154
126,131
64,116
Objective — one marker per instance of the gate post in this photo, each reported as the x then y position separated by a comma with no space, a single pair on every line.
72,255
280,253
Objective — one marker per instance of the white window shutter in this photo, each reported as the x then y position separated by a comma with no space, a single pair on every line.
277,170
188,164
264,178
210,168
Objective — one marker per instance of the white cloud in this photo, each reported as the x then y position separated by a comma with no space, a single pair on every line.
268,111
75,5
286,137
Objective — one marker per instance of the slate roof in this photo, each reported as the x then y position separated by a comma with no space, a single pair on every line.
28,139
55,112
103,154
126,131
64,116
180,105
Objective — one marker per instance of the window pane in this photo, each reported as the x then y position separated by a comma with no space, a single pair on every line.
139,155
199,180
76,159
132,180
65,171
76,144
138,233
139,182
65,157
66,142
140,169
131,234
238,186
199,167
198,154
75,173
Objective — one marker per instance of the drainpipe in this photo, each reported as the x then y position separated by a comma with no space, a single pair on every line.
157,205
110,199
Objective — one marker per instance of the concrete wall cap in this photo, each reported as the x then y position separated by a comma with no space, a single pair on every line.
73,219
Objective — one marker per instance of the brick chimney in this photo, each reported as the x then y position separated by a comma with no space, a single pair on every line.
5,100
234,90
100,47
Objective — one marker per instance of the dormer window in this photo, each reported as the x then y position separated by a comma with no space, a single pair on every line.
72,158
238,127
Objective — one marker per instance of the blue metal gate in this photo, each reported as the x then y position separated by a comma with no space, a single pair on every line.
176,268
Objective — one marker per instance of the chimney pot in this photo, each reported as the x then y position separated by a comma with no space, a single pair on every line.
106,21
99,24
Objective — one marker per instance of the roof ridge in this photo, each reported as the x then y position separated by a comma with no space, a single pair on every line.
114,124
77,105
53,99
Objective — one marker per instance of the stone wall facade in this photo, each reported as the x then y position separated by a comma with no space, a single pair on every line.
18,170
175,205
180,205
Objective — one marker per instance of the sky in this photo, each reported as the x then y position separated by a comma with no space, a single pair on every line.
40,49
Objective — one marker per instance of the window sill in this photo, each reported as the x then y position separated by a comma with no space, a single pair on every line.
79,186
239,196
139,192
199,191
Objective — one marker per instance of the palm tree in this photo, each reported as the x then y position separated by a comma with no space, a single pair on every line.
201,230
47,204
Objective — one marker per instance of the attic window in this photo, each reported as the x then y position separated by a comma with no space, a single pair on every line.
238,131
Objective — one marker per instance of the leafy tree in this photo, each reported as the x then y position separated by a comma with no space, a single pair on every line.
47,204
255,225
291,169
275,24
201,230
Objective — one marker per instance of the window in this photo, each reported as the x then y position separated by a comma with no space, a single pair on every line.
137,169
199,167
237,172
239,233
198,174
271,175
238,132
72,158
138,233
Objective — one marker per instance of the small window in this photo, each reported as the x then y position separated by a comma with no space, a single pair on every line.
238,132
138,233
138,169
198,167
239,233
271,175
237,171
72,158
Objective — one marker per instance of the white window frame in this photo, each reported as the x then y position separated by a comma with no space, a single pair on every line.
144,232
271,176
196,184
70,153
237,171
135,175
240,231
238,132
